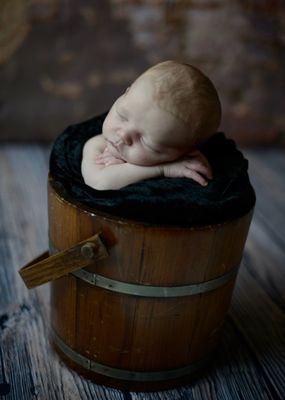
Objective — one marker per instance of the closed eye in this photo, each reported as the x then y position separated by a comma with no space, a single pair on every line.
122,116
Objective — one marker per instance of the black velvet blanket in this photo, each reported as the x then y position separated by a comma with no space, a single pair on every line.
163,201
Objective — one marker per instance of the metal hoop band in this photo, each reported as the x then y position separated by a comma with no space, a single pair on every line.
149,290
123,373
153,291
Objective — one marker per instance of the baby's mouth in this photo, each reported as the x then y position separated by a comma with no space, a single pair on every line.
115,151
114,145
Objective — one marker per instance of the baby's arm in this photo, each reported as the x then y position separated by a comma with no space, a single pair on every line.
111,177
193,165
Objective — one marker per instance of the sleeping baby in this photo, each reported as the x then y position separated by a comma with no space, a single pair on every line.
153,129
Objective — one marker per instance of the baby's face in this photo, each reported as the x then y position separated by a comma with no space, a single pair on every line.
139,132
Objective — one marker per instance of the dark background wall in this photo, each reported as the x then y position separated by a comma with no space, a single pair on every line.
63,61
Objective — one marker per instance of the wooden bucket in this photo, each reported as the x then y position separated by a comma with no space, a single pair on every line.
135,306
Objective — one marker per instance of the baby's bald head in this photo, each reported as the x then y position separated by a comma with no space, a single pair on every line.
187,94
163,115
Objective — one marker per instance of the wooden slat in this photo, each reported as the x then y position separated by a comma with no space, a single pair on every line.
250,363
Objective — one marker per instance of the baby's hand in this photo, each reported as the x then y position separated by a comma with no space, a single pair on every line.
194,165
107,158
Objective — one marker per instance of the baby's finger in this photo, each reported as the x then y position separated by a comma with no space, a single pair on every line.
204,161
98,160
195,176
200,167
199,155
111,161
98,157
107,157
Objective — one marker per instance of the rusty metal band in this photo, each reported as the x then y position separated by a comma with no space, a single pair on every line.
149,290
124,374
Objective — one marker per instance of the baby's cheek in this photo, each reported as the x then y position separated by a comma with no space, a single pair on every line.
135,154
147,159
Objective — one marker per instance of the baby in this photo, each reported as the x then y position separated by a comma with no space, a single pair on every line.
153,128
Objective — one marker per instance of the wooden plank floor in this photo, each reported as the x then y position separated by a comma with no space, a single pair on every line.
250,364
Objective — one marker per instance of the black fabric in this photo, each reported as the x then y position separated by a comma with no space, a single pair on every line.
165,201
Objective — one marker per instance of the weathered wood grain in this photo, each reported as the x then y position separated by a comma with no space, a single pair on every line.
250,363
143,333
46,267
